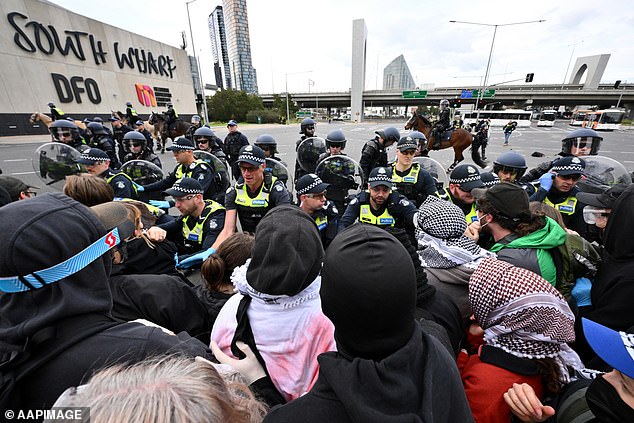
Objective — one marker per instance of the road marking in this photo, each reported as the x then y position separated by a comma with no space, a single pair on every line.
22,173
16,160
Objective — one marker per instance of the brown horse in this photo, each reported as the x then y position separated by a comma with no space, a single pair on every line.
46,120
178,129
146,124
460,140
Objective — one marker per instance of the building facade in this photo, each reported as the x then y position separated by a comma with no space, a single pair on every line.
218,37
396,75
243,75
87,68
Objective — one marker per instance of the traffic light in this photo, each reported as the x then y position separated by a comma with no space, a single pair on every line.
617,84
529,77
199,99
480,104
455,103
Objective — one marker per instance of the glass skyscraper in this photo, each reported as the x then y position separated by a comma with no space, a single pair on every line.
219,51
396,75
236,26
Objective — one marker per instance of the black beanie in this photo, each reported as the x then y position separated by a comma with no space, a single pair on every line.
287,254
368,291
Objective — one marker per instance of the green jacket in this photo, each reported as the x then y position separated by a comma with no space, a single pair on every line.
541,241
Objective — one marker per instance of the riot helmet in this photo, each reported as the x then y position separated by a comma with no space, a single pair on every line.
582,142
307,123
95,128
51,104
64,131
195,120
134,138
204,133
97,119
267,143
420,138
444,104
390,135
169,105
128,104
510,162
336,138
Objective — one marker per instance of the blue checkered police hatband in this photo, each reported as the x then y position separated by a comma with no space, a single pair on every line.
185,186
380,176
181,143
252,154
310,184
569,166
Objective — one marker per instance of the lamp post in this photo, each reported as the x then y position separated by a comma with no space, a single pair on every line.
486,73
286,84
570,61
200,75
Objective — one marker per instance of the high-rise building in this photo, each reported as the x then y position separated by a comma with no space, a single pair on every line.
219,48
396,75
243,75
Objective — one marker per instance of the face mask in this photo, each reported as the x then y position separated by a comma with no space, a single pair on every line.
606,404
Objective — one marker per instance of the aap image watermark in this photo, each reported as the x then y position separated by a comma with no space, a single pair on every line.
55,414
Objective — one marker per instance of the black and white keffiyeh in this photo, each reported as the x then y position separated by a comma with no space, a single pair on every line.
522,313
442,243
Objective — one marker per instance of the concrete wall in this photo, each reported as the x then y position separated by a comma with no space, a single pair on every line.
593,67
34,69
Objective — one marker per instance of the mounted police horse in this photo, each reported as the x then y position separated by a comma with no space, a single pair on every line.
177,129
146,124
458,139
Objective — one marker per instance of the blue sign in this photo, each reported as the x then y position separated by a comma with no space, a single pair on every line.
466,94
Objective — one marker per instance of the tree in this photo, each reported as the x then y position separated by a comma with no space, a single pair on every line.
231,104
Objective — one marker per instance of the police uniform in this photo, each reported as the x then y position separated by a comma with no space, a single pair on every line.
327,217
233,142
373,154
57,113
131,114
196,234
145,155
467,177
252,206
415,183
468,209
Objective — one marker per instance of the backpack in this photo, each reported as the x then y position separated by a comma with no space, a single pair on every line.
576,258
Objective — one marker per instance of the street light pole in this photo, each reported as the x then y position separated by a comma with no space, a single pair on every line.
200,75
486,74
570,61
286,83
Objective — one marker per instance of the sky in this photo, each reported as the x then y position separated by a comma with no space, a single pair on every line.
298,42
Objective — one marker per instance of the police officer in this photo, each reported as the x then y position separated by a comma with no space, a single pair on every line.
255,193
489,179
68,133
56,112
307,129
118,131
410,178
268,144
135,144
100,139
206,140
481,138
421,142
374,152
462,180
187,167
234,141
196,229
98,119
510,167
311,195
140,128
442,124
457,121
558,188
379,205
335,144
170,117
131,113
580,142
97,162
196,123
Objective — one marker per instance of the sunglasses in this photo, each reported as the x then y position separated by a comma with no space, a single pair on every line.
135,144
317,196
408,152
186,198
202,141
567,177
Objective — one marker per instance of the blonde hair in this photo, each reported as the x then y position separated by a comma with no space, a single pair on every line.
165,390
88,189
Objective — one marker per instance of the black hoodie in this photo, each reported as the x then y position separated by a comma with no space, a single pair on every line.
36,234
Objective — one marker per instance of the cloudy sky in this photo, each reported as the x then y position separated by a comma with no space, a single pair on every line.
289,37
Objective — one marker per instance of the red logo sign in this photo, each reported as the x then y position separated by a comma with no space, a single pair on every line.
111,240
145,95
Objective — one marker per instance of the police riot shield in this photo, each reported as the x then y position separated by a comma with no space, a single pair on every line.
277,169
144,173
221,175
344,176
308,153
601,173
435,169
54,161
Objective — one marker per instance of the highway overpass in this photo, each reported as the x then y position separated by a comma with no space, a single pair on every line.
519,96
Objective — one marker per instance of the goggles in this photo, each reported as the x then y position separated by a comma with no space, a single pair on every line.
590,214
79,261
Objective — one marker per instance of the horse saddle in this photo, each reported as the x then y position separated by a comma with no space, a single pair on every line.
446,135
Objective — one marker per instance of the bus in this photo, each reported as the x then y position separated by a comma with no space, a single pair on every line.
547,118
578,116
604,120
500,117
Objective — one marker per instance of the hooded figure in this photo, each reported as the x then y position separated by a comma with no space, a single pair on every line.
386,368
278,310
527,325
613,286
56,326
447,255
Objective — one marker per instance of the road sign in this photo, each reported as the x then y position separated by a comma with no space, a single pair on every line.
304,114
487,93
415,94
466,94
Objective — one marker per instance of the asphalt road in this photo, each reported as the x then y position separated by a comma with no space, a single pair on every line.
16,152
